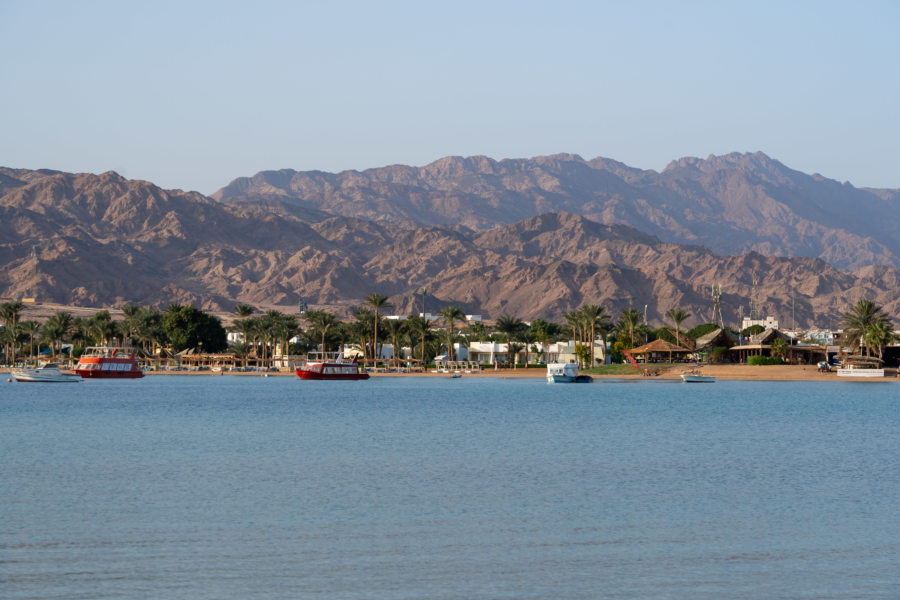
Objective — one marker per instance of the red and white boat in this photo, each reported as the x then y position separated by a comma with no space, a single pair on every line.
106,362
336,369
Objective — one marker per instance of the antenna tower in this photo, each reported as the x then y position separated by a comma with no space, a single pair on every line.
717,305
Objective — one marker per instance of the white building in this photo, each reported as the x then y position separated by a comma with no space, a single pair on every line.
767,323
492,352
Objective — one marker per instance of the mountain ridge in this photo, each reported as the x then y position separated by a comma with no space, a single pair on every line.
106,240
731,204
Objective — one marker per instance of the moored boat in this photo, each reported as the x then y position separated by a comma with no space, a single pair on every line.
48,373
108,362
695,376
566,373
326,370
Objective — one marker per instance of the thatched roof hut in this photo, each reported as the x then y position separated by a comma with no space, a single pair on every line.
656,350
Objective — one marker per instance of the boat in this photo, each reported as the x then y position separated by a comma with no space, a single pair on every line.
695,376
331,370
566,373
109,362
48,373
861,366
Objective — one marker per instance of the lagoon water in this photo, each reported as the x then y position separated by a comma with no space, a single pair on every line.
251,488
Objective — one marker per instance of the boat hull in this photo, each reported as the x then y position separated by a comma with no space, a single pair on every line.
569,379
100,374
318,376
698,379
43,375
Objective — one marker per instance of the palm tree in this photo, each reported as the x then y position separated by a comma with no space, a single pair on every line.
513,349
878,336
132,314
101,327
395,330
377,302
243,310
451,314
575,319
362,328
631,318
540,332
419,326
677,315
10,337
9,312
510,327
526,336
283,327
860,322
321,321
31,329
57,328
594,315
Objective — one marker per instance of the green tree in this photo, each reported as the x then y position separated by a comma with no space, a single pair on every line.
779,348
419,326
678,315
31,329
56,329
866,319
9,312
189,327
321,322
630,319
100,327
283,328
510,327
378,303
395,329
593,316
451,314
243,310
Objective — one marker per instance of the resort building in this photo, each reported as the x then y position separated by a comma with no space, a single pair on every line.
767,323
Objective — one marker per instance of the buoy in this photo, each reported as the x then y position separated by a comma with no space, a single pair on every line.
9,380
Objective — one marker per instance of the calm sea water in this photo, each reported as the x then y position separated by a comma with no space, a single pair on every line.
250,487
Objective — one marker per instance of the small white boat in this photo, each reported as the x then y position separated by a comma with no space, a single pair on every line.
49,373
566,373
697,377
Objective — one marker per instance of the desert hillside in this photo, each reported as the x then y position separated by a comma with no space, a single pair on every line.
102,240
732,204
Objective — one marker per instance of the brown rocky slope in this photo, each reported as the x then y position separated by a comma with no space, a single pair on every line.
731,204
104,240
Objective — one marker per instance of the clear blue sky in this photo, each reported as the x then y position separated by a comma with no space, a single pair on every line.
191,95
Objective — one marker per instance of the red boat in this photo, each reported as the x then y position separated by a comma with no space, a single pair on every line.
105,362
337,369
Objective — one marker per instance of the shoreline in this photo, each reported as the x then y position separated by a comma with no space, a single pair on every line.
720,372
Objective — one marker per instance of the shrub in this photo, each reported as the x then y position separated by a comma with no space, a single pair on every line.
701,330
764,360
718,354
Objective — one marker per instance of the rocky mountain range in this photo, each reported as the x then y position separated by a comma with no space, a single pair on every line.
528,238
731,204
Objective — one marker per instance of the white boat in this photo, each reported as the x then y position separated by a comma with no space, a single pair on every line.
566,373
696,377
49,373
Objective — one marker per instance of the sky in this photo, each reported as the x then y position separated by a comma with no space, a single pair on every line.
191,95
